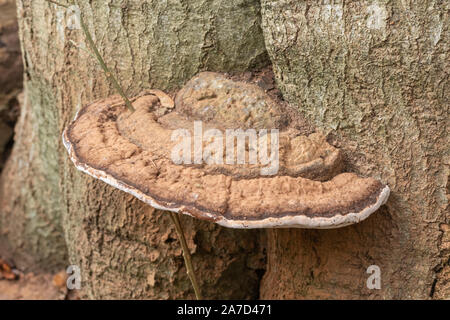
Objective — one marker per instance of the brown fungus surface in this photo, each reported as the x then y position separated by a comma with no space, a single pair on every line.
133,152
212,97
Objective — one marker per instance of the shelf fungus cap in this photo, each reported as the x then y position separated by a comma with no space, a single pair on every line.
134,153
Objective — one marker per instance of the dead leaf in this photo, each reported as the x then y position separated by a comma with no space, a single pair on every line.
7,272
60,279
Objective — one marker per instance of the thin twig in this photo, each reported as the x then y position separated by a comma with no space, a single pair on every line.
108,73
186,254
99,57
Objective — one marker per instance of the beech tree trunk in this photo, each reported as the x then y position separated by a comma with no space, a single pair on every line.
372,73
375,73
10,76
125,249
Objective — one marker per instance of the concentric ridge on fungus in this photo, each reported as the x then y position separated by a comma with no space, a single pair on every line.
131,151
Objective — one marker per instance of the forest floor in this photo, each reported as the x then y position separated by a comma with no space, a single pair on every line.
15,285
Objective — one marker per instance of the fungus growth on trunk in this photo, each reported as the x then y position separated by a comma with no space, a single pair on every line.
134,152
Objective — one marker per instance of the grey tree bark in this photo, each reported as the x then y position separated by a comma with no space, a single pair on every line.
375,74
10,76
124,248
372,73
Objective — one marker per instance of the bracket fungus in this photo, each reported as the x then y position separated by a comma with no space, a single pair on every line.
134,152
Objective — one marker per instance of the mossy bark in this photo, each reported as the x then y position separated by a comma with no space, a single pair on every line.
375,74
125,249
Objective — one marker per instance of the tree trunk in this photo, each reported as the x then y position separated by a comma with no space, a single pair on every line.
125,249
10,76
372,73
376,73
